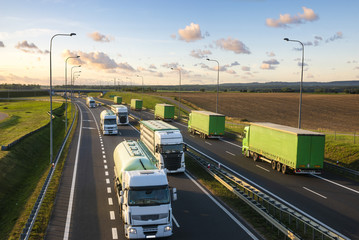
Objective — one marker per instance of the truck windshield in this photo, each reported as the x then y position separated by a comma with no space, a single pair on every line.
110,122
148,197
173,148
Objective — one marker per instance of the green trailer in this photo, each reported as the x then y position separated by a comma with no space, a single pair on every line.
136,104
288,149
117,100
206,124
165,112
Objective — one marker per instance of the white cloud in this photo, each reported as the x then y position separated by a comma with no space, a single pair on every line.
234,45
170,65
191,33
336,36
268,65
200,53
270,54
2,44
246,68
286,19
152,66
98,37
29,48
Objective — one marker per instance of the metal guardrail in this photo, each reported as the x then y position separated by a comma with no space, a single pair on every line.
282,217
31,220
343,170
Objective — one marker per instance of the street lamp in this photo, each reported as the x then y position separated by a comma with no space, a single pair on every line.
59,34
301,81
66,91
72,87
179,92
217,81
142,85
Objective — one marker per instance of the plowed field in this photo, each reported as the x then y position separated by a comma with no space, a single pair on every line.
319,111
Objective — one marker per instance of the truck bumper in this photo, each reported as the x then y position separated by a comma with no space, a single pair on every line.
307,171
179,170
109,132
133,232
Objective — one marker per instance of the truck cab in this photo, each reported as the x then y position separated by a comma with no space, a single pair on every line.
121,112
108,122
245,141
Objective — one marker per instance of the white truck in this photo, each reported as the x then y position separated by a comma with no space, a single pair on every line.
108,122
121,112
165,142
143,193
90,102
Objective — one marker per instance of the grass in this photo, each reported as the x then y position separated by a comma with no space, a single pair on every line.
21,169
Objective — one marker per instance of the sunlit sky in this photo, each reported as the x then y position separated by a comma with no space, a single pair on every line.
118,40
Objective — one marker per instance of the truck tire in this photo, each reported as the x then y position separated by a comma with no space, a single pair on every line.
284,168
274,164
279,166
255,157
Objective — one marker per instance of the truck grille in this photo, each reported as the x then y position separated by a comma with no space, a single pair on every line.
123,119
172,161
149,217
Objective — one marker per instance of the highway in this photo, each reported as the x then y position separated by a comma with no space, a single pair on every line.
328,198
86,206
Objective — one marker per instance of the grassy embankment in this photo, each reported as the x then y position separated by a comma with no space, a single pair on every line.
24,168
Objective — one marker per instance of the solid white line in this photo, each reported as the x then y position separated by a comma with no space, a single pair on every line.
108,190
112,215
223,208
134,128
114,233
263,168
231,153
174,219
320,195
107,180
73,183
110,202
208,143
340,185
230,143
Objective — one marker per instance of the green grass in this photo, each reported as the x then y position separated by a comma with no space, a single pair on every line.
21,170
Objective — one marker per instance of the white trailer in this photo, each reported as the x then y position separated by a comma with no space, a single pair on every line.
165,142
121,112
90,102
143,193
108,122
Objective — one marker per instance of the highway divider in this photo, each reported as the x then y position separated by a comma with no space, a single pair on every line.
281,216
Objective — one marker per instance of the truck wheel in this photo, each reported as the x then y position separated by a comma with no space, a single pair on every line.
255,157
274,164
284,168
279,166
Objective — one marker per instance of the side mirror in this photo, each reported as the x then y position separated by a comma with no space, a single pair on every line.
174,194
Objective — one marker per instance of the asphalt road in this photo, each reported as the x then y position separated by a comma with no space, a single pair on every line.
86,206
331,199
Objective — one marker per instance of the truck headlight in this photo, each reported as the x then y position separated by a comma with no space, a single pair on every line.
168,228
132,230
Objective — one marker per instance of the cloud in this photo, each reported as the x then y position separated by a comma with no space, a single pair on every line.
191,33
272,62
235,64
234,45
170,65
246,69
336,36
98,60
2,44
200,53
308,15
98,37
152,66
268,65
270,54
29,48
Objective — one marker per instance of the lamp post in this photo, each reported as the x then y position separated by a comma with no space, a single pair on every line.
179,92
217,81
301,81
72,87
59,34
142,85
66,91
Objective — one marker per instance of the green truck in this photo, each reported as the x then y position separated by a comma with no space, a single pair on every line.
117,100
136,104
206,124
165,112
287,149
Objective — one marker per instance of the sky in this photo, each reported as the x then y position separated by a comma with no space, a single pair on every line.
126,41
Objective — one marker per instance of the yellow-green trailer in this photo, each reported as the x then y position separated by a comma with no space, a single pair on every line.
206,124
286,148
164,111
117,99
136,104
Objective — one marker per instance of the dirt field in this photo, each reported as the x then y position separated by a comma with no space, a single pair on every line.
319,111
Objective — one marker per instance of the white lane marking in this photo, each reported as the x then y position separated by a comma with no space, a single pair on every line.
223,208
104,156
106,173
134,128
263,168
114,233
73,183
231,153
108,190
270,193
208,143
101,144
107,180
230,143
103,152
320,195
119,133
105,166
102,148
104,161
86,120
175,221
110,202
340,185
112,215
88,128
